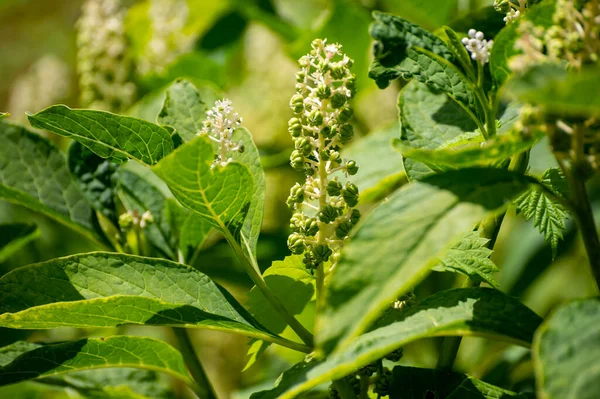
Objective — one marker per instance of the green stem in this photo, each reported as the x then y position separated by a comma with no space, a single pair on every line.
321,239
364,387
344,388
203,387
489,228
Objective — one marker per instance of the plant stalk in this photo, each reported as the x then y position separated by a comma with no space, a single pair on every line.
203,387
344,388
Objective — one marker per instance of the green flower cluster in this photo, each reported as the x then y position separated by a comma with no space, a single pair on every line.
104,68
323,204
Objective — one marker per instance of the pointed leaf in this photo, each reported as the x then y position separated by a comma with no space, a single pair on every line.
14,236
108,289
32,361
566,350
481,312
111,136
396,245
33,173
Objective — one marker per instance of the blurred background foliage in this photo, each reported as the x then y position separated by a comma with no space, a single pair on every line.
246,50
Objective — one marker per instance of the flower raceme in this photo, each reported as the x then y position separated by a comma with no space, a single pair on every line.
323,204
478,46
219,125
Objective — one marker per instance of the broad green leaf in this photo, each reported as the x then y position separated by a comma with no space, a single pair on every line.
418,383
407,51
111,136
38,361
566,350
430,14
396,245
33,173
194,232
184,109
140,194
504,42
460,52
548,215
107,289
471,257
14,236
429,120
483,312
491,152
221,195
96,178
559,91
381,169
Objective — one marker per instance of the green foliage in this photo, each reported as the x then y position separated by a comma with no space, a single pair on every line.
23,361
470,256
548,212
111,136
453,312
14,236
566,350
397,244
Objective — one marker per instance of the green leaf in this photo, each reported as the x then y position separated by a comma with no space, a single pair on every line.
460,52
96,178
575,93
107,289
14,236
431,14
111,136
140,193
33,173
33,361
566,350
471,257
504,42
491,152
483,312
548,215
184,109
418,383
397,244
407,51
194,232
221,195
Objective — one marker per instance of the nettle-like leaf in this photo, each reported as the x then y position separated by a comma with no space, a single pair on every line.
111,136
407,51
470,256
465,311
453,41
25,361
566,350
96,178
185,109
109,289
548,215
419,383
396,245
504,43
33,173
14,236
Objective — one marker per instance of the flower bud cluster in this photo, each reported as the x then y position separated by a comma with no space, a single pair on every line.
102,62
168,19
219,125
478,46
323,205
574,37
132,219
512,8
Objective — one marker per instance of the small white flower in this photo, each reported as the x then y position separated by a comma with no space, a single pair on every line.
478,46
511,16
219,125
146,219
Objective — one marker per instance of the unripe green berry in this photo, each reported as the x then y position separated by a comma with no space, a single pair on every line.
304,146
297,193
354,216
296,222
351,168
345,114
346,133
350,194
297,161
395,356
327,132
125,220
297,103
308,170
334,156
311,227
323,91
338,100
338,71
315,118
322,253
351,85
309,261
295,127
300,76
343,229
328,214
296,243
334,188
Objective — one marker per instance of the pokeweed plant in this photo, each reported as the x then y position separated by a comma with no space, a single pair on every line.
471,109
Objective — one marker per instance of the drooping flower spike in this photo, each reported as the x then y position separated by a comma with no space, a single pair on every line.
219,125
